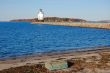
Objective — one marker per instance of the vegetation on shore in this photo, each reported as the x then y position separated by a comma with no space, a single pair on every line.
51,19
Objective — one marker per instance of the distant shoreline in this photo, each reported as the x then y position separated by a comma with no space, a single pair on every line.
4,21
85,25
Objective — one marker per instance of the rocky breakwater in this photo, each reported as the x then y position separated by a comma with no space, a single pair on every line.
81,24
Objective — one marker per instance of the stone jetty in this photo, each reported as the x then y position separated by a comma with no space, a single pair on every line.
86,25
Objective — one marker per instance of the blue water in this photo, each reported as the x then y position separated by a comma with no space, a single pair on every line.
21,39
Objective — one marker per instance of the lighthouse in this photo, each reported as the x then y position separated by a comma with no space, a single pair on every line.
40,15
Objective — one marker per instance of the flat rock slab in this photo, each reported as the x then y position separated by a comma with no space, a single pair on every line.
56,65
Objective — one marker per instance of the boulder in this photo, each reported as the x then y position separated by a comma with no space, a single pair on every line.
56,65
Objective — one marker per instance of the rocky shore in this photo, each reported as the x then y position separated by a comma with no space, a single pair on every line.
92,61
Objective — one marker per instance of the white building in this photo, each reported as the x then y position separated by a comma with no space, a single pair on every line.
40,15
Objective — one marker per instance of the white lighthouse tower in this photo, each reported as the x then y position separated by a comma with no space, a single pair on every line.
40,15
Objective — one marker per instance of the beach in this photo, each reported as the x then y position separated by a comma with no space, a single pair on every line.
90,56
80,24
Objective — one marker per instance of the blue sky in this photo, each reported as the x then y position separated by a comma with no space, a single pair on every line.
84,9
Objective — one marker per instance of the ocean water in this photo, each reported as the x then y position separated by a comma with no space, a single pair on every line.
22,38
